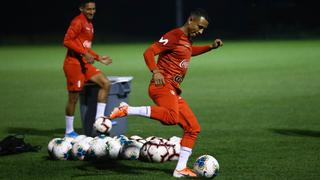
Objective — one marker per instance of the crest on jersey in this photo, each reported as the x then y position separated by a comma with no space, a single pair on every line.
163,41
87,44
184,64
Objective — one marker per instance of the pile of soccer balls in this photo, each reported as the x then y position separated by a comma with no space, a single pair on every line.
151,149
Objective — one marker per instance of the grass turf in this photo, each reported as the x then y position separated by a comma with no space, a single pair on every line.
257,103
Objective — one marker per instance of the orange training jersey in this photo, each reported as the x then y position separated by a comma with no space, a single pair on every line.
78,39
175,52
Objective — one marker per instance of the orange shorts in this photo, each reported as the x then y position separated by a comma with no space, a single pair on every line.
172,109
75,78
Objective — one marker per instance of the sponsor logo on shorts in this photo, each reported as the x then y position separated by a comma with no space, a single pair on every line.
178,78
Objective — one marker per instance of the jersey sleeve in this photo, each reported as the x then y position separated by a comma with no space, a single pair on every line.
70,39
94,54
166,43
197,50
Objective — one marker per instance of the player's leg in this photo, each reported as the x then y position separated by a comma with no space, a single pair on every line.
166,108
191,128
95,75
69,111
75,82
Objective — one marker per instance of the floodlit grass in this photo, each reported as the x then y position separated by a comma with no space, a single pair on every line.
257,103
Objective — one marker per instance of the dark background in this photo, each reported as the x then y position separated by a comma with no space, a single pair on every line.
41,21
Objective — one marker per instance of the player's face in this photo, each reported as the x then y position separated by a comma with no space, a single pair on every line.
89,10
197,25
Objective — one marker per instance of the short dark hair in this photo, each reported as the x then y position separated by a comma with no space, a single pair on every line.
84,2
200,13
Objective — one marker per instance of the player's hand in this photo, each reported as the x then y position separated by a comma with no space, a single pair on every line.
158,78
89,58
216,44
105,60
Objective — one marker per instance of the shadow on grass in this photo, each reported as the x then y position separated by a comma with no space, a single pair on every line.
297,132
39,132
103,168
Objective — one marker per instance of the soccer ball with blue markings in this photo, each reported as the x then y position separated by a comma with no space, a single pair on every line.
130,150
52,143
206,166
98,146
80,149
62,150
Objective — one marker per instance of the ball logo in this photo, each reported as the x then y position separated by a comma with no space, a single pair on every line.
87,44
184,64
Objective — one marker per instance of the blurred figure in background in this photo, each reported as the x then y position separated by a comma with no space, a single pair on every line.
78,66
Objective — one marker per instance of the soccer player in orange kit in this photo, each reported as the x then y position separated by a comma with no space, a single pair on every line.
174,51
78,66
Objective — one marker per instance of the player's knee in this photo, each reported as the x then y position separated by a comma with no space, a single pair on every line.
194,129
105,84
73,100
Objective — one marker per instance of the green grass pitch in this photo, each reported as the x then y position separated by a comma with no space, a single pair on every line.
257,103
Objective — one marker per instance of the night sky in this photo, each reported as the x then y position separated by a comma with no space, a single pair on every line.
130,19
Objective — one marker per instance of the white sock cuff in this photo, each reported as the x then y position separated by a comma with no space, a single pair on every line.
101,104
69,118
183,148
148,111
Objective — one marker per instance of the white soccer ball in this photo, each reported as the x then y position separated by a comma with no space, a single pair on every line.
113,148
138,140
68,139
98,147
61,150
122,139
174,150
80,149
51,144
103,125
78,139
154,151
175,139
131,150
206,166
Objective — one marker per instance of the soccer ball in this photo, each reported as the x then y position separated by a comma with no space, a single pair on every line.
52,143
98,147
206,166
78,139
80,149
175,139
154,151
138,140
68,139
122,139
61,150
113,148
131,150
174,150
102,124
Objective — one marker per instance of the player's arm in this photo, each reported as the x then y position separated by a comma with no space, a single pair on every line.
149,57
94,54
197,50
70,40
